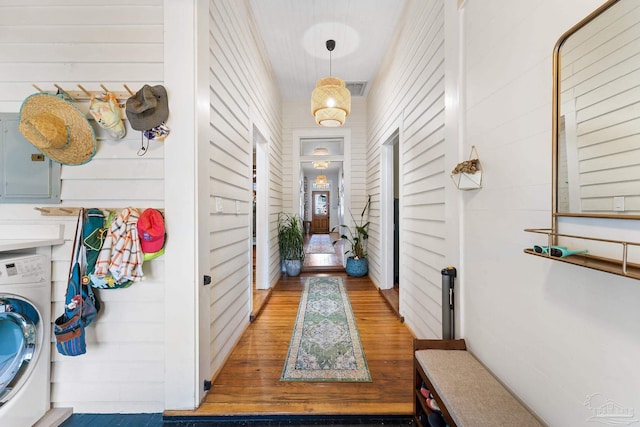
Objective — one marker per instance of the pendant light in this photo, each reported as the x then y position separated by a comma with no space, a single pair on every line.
330,100
321,181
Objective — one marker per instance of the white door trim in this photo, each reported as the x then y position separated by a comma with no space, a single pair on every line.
386,210
299,134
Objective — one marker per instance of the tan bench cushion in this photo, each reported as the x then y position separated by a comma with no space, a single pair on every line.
470,393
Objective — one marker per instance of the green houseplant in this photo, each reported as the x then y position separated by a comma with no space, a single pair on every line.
291,242
357,236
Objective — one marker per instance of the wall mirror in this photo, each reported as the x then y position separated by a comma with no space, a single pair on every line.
596,115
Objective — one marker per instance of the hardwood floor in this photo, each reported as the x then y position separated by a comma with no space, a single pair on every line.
249,383
324,262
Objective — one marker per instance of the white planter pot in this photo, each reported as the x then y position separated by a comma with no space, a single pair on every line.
293,267
468,181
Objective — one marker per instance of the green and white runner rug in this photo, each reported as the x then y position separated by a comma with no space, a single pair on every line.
325,345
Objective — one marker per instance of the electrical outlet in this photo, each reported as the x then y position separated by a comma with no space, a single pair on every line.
618,204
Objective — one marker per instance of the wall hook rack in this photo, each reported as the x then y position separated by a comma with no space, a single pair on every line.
73,211
85,94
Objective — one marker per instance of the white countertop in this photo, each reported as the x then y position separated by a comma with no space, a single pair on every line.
14,245
23,236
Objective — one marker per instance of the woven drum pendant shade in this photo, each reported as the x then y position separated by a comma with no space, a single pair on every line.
330,102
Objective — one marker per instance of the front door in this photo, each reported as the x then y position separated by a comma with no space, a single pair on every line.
320,212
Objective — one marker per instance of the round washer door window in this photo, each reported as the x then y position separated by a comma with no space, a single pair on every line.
20,343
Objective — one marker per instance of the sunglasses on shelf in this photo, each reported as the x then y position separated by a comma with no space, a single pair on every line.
545,249
557,251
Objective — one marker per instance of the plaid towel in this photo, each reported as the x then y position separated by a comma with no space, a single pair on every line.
121,254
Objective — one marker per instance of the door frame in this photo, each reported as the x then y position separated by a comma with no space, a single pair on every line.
297,193
313,208
386,209
262,208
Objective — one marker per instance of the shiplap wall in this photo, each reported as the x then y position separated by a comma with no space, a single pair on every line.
409,90
243,92
93,42
604,101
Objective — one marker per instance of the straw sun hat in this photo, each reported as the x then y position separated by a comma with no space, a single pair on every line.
57,128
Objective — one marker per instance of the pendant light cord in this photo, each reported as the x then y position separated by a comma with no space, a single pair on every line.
330,44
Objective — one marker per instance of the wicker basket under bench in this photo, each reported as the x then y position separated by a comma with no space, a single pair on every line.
466,392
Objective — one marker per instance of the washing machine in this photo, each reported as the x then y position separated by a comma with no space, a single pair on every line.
25,334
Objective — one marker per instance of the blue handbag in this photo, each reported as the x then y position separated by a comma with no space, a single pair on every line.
81,304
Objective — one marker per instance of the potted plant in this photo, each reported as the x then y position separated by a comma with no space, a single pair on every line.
467,175
291,242
357,264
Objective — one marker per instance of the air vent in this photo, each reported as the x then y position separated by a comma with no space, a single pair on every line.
356,88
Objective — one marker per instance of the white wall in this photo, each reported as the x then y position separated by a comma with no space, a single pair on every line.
242,92
555,333
90,42
409,94
125,369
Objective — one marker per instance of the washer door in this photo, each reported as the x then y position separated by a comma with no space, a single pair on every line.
20,343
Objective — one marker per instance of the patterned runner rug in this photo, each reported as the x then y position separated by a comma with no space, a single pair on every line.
325,345
320,244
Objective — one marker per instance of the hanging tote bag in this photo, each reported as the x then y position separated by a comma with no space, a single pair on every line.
81,304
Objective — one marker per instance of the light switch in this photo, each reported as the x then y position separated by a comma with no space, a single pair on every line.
618,204
218,204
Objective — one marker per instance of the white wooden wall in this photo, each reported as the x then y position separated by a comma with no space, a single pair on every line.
93,42
409,92
604,100
243,92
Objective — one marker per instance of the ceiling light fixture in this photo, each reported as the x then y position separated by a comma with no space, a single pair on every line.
322,164
321,181
330,100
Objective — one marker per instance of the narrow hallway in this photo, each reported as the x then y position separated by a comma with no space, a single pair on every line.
249,383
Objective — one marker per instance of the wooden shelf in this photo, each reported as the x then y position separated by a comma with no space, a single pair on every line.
596,263
620,267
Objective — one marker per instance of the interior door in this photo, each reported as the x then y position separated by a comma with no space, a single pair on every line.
320,212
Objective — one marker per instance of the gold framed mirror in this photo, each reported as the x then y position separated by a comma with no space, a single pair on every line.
596,115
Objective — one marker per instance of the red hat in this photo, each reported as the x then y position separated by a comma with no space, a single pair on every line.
151,231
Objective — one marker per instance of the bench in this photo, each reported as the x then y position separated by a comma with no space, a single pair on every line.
466,393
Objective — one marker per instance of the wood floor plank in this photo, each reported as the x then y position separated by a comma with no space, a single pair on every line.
249,383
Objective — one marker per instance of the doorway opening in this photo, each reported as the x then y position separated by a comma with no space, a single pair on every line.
321,199
259,233
390,206
320,212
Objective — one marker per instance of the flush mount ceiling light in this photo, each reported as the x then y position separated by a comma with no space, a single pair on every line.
321,181
322,164
330,100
